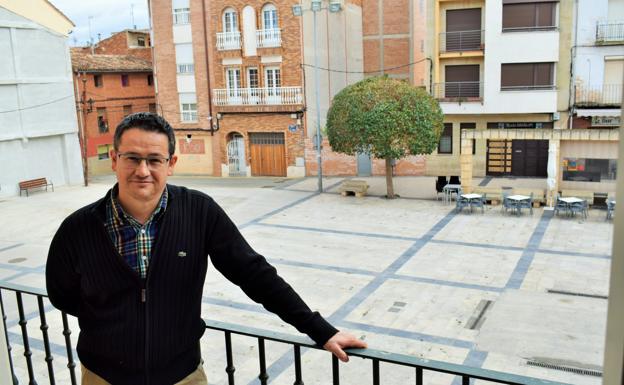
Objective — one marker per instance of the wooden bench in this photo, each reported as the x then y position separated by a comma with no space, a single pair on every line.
355,187
583,194
539,195
34,183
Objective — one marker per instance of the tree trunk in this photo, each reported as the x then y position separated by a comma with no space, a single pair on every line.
389,186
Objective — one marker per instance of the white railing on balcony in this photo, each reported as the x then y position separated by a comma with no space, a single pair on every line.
258,96
610,31
598,95
266,38
228,40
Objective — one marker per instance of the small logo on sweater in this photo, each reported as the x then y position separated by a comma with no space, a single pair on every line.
181,254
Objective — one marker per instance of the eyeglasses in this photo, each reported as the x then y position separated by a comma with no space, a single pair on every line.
131,160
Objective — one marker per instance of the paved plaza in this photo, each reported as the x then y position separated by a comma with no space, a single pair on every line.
410,276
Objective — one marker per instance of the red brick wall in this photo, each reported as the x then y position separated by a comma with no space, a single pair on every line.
112,96
118,45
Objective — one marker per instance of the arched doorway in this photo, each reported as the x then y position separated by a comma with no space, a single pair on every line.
236,155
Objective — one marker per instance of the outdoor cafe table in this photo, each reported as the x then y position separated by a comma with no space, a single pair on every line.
569,201
471,198
448,191
518,199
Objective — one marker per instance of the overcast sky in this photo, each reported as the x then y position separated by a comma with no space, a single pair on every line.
106,16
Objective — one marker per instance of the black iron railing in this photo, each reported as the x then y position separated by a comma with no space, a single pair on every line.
421,367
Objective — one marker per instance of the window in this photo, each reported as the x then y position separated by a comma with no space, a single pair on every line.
141,41
189,112
273,77
127,110
103,151
527,76
186,68
589,170
468,126
529,15
233,81
269,17
446,140
102,120
125,80
152,108
230,21
150,80
97,80
462,81
252,77
181,16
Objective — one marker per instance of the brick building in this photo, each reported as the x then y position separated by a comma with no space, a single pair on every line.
236,78
108,87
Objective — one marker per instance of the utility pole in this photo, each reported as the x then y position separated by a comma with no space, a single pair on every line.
132,15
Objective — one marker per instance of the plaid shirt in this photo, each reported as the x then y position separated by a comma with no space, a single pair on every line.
132,239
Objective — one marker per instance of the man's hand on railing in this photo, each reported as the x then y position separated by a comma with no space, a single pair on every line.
343,340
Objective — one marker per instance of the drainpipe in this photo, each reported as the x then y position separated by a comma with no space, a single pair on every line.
82,124
572,96
210,117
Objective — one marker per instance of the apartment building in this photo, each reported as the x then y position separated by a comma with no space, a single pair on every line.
236,80
108,87
598,70
39,135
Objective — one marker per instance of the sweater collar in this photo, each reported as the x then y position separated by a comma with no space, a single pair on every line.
99,207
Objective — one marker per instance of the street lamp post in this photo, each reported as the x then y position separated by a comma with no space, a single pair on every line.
316,6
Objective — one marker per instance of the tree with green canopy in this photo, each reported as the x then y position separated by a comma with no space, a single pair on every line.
386,118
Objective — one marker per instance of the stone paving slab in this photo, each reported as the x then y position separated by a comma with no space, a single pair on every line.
407,275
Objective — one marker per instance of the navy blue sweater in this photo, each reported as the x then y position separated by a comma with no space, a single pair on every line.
135,331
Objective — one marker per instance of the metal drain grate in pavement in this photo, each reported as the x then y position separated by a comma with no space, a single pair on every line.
564,368
578,294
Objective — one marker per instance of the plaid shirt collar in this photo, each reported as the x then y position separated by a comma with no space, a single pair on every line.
121,218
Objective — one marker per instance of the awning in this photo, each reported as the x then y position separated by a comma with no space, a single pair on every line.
598,112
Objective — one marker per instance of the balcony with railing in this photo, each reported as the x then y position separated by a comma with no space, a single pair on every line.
461,41
228,40
468,91
269,38
37,358
258,96
600,95
610,32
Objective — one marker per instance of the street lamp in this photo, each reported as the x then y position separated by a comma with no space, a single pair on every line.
297,10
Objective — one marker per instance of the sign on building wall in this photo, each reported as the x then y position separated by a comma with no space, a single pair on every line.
608,121
194,146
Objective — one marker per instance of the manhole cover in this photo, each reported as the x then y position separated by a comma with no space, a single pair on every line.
17,260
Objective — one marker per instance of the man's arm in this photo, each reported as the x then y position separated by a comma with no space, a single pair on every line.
239,263
62,280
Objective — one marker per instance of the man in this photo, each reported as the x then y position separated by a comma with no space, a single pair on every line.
132,265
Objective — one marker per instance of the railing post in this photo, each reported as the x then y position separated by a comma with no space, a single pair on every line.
375,372
298,379
71,365
46,342
335,370
6,365
27,353
229,369
263,376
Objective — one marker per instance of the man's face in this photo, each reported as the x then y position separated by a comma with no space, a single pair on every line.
140,179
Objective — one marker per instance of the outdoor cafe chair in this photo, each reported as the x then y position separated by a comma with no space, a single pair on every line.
479,202
610,209
579,207
560,205
508,204
461,202
526,204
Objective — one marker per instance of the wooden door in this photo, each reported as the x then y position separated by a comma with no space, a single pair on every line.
529,158
498,157
268,154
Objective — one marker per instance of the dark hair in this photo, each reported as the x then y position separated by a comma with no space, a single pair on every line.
145,121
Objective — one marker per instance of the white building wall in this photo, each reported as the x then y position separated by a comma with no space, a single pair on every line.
589,61
510,47
339,47
38,123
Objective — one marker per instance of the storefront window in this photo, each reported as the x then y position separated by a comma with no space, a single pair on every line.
589,170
